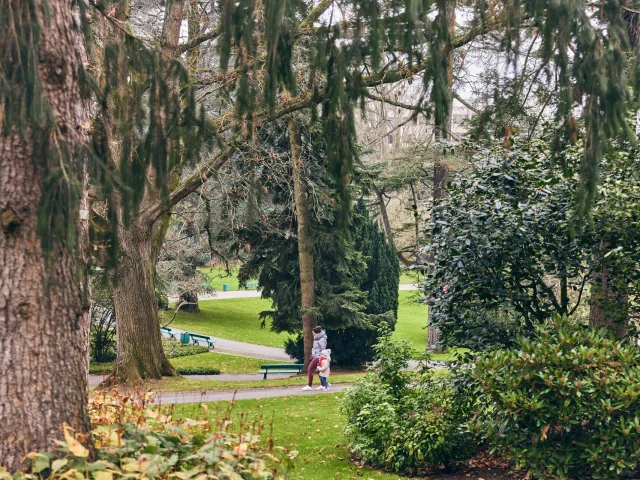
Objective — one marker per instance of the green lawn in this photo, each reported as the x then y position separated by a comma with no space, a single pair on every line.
410,277
412,320
234,319
231,364
218,277
312,426
224,363
237,319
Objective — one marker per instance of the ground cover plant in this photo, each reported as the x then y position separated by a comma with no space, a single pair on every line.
564,404
133,440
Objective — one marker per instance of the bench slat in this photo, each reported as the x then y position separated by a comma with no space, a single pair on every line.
280,368
196,338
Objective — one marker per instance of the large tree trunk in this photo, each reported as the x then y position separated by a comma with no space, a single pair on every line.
609,297
44,325
139,353
305,245
190,303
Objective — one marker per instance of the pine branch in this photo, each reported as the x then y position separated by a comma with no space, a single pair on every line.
465,103
193,43
188,186
315,14
406,106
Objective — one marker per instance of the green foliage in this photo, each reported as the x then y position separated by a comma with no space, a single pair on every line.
173,349
133,440
565,404
507,251
162,300
197,370
102,345
356,282
400,423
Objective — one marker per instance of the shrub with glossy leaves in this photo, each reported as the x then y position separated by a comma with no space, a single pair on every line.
565,404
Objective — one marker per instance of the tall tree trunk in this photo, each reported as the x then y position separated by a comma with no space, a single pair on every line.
139,353
44,325
305,245
609,297
440,169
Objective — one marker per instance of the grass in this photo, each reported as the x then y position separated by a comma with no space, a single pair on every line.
237,319
412,277
412,320
224,363
233,319
218,277
312,426
181,384
231,364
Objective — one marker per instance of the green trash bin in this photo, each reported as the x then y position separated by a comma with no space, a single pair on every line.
185,337
225,287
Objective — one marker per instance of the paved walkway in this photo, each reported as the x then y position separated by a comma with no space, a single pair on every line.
166,398
244,349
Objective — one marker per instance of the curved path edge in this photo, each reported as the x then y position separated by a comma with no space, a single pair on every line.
172,398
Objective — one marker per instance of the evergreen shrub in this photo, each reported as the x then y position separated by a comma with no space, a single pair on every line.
400,422
564,404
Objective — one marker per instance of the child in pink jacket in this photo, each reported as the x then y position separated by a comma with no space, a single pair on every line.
324,370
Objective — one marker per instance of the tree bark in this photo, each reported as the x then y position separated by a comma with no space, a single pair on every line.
305,245
44,323
191,303
440,169
609,297
139,353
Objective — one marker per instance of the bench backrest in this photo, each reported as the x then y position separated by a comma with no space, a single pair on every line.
282,366
200,336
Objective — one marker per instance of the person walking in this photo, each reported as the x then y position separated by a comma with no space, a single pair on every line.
319,344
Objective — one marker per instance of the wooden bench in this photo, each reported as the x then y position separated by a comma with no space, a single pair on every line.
196,339
252,284
169,332
280,368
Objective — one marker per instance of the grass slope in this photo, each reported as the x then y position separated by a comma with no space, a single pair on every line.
233,319
237,319
312,426
218,277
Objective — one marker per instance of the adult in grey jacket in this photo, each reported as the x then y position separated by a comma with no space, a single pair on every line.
319,344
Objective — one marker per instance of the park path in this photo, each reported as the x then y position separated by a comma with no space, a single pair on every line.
171,398
244,349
